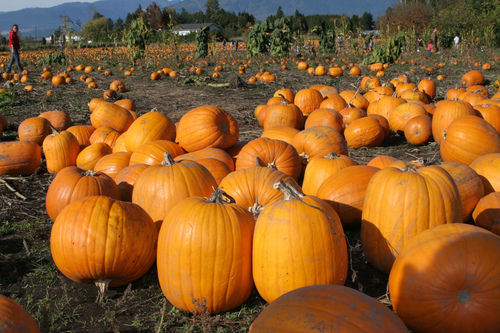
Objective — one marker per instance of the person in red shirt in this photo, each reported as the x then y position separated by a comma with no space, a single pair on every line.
14,48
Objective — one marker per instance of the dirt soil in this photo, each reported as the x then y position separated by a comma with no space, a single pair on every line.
27,272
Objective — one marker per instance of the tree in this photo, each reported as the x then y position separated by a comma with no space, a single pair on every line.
212,7
367,21
137,35
118,26
154,15
95,30
97,15
279,12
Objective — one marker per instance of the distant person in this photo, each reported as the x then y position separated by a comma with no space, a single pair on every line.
434,37
456,40
430,46
224,44
232,45
236,46
370,44
420,43
14,48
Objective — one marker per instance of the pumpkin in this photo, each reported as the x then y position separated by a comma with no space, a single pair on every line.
319,141
487,212
418,130
325,117
428,87
345,191
472,78
218,154
283,114
355,71
283,133
34,130
487,166
82,134
326,308
60,120
149,127
333,101
111,164
126,178
117,86
314,250
160,187
354,98
369,82
322,167
382,161
469,186
207,126
383,122
445,113
88,157
386,104
60,150
13,318
105,135
400,204
270,153
152,152
208,269
119,145
364,132
111,115
102,240
468,138
217,168
464,286
286,93
490,113
400,115
72,183
308,100
19,158
126,104
324,89
253,188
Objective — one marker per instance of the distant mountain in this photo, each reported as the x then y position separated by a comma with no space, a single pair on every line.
38,22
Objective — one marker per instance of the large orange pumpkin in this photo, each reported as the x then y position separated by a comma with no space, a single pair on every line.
283,114
319,141
19,158
111,115
282,133
308,100
400,204
149,127
152,152
314,250
447,280
111,164
88,157
445,113
327,308
364,132
14,319
105,241
34,130
60,120
60,150
325,117
209,268
207,126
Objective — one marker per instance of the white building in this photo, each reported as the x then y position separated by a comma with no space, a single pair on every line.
186,29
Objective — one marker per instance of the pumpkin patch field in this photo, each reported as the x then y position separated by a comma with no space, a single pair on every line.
235,194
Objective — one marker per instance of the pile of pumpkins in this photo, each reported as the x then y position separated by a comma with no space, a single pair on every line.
220,216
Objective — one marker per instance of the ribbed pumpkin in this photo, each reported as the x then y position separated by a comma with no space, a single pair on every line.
350,114
400,204
106,135
327,308
314,250
119,145
283,114
111,115
217,153
469,186
386,104
105,241
364,132
308,100
354,98
468,138
319,141
152,152
209,268
487,166
322,167
399,116
345,191
383,122
490,113
14,319
60,150
217,168
286,93
333,101
149,127
82,133
472,78
418,130
270,153
253,188
89,156
487,212
325,117
160,187
447,280
34,130
445,113
111,164
282,133
72,183
428,87
126,178
19,158
60,120
207,126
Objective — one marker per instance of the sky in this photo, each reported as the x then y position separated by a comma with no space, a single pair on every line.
10,5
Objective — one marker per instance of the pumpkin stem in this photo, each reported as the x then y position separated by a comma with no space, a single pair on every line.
167,159
89,172
220,197
255,210
102,287
257,161
285,101
332,156
272,165
304,156
288,190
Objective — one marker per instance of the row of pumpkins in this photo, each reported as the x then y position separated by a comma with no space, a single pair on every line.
130,190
